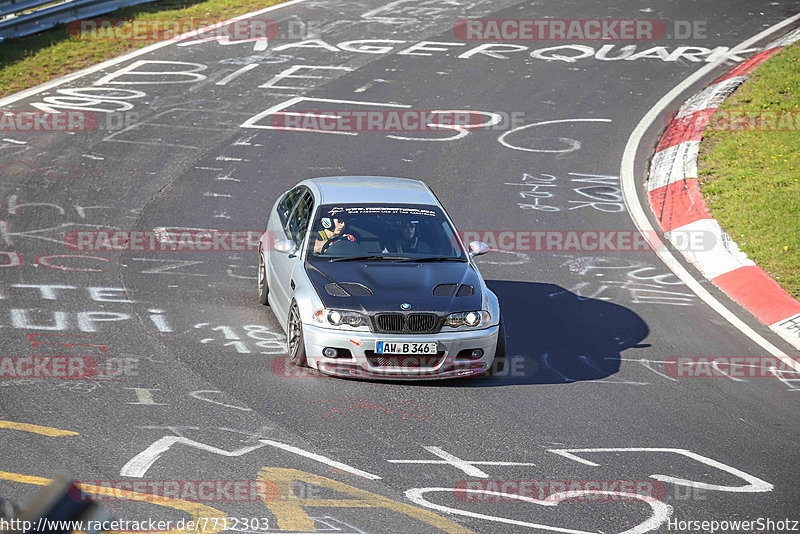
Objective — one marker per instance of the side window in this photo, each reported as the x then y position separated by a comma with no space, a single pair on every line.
300,217
287,204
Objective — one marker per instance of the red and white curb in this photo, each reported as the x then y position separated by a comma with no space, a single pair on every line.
675,198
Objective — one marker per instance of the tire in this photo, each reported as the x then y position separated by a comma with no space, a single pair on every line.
500,351
499,363
294,337
263,287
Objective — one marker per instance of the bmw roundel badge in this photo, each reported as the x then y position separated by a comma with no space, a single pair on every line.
405,306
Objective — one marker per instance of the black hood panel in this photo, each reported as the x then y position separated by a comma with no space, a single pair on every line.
395,283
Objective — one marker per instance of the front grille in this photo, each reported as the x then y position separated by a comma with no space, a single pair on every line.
421,322
390,322
400,361
414,323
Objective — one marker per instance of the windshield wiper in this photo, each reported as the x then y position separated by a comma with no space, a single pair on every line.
434,259
373,257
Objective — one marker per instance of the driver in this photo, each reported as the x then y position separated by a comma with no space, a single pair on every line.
331,230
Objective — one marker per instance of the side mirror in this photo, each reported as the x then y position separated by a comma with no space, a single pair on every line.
476,248
284,245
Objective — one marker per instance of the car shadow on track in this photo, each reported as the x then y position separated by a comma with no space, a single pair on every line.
554,336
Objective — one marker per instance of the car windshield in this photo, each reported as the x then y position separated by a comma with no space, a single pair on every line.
383,232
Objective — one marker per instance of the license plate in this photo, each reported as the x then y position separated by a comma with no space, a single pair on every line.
401,347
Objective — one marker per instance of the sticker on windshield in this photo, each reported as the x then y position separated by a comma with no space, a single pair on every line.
384,210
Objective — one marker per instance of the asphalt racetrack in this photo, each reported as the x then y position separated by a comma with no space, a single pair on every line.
196,384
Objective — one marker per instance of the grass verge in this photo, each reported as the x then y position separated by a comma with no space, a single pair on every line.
750,177
37,58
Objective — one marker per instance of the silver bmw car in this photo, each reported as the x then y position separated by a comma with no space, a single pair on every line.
369,278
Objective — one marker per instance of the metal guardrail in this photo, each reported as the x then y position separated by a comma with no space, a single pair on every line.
25,17
9,7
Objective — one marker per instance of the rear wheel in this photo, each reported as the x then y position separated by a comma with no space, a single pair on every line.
263,288
294,337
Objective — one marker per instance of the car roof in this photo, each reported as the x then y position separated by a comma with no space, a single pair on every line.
370,190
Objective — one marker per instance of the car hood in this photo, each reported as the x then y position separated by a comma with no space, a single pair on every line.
393,284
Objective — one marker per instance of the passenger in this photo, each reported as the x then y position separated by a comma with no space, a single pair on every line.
408,240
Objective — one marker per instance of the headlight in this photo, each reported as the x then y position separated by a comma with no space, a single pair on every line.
339,318
471,319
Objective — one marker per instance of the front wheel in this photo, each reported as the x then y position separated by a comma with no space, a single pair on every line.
500,351
263,287
499,363
294,338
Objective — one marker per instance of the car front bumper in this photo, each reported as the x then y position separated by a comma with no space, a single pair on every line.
363,363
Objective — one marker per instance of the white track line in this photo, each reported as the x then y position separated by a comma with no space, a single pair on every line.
136,53
319,458
628,181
